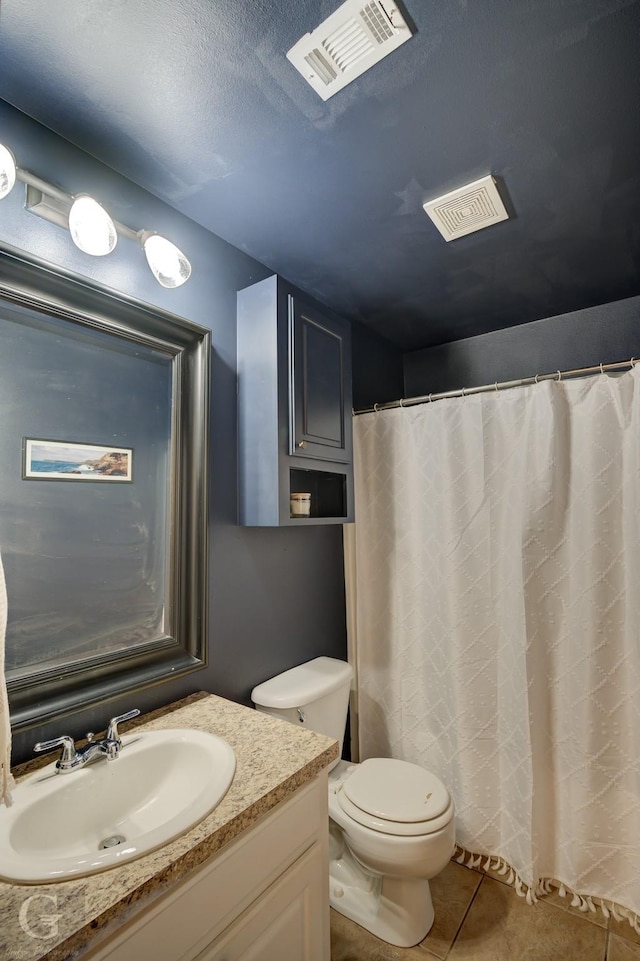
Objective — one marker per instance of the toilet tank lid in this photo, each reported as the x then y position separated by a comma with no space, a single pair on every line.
303,684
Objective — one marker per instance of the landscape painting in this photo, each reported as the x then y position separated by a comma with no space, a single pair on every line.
63,460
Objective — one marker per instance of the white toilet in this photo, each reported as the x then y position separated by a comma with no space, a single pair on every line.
391,823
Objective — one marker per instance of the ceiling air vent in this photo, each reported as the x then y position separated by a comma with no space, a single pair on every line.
467,209
347,43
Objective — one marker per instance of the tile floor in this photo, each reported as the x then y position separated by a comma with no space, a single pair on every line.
480,918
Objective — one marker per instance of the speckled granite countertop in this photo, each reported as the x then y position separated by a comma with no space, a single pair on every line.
69,917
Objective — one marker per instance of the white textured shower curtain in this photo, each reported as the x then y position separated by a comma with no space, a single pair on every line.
498,619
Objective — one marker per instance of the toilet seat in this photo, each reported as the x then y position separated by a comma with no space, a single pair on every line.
395,797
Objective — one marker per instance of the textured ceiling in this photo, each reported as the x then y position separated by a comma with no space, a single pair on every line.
195,101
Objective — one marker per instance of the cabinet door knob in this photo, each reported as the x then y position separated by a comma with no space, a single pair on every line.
302,443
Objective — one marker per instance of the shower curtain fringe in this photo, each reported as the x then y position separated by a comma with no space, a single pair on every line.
584,902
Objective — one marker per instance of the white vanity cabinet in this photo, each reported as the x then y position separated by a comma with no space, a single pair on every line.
264,897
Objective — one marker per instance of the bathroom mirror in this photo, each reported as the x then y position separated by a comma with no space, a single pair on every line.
103,492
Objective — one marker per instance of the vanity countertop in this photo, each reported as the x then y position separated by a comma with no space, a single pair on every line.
66,918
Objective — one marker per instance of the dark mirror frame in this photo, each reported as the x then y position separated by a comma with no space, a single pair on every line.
48,695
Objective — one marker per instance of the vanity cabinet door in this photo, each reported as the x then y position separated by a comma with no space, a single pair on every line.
320,387
263,897
284,924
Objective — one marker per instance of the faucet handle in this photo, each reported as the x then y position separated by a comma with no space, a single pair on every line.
67,744
112,729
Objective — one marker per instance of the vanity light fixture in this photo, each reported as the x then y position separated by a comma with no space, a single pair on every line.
92,229
167,263
7,171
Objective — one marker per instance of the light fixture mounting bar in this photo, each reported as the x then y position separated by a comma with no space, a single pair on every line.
47,206
53,204
46,188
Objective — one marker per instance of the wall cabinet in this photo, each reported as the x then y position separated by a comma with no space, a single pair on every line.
294,407
266,896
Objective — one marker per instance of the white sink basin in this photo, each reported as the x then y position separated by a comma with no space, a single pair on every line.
162,784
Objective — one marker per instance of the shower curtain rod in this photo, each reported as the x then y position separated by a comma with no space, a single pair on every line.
503,385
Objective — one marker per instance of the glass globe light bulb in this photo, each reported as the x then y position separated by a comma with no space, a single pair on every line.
167,263
7,171
92,229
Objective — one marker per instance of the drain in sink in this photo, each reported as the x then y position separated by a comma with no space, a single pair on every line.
111,842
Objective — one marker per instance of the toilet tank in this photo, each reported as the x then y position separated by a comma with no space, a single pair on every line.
313,695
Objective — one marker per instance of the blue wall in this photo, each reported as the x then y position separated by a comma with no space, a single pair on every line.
377,368
276,596
583,338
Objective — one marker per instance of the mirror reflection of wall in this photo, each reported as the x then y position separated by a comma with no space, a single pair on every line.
85,558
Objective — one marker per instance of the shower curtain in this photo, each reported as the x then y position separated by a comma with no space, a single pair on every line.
497,596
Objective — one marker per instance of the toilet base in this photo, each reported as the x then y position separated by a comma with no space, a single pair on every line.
396,910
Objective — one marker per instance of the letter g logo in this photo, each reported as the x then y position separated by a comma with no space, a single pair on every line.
47,921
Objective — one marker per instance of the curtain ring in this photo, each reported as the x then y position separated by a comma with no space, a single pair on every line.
633,362
559,376
401,402
464,391
496,387
601,368
375,407
431,398
535,379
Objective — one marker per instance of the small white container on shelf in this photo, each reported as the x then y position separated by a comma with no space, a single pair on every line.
300,505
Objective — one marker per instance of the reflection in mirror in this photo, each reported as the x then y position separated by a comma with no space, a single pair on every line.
85,554
103,407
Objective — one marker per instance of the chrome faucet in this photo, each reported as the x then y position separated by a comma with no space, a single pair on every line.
72,758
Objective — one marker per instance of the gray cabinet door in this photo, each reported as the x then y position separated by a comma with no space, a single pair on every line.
294,408
319,383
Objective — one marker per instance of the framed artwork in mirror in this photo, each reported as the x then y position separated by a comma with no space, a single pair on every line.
65,460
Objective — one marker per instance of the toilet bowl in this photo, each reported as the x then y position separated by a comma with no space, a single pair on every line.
391,823
392,829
